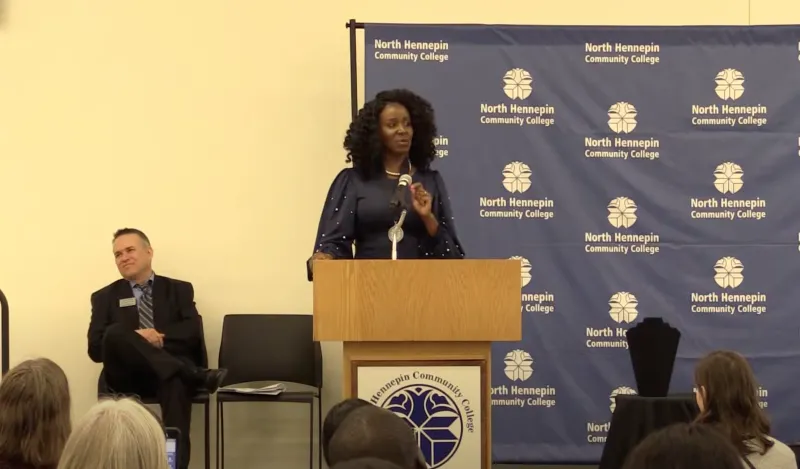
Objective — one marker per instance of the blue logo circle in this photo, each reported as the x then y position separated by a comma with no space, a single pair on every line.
435,418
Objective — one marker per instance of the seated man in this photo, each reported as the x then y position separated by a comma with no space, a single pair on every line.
371,432
145,330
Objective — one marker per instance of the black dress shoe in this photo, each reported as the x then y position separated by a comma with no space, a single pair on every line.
211,380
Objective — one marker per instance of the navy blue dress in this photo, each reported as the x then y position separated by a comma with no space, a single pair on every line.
358,211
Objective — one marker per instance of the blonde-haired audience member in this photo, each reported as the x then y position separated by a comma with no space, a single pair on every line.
34,415
727,395
116,434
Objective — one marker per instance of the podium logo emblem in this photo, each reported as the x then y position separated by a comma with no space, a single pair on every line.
518,365
435,418
517,83
622,117
625,390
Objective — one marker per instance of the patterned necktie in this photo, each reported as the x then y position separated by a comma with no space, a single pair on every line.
145,307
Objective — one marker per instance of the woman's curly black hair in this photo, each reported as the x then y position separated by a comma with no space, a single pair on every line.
363,141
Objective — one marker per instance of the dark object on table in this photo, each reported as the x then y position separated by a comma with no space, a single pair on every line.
653,345
635,417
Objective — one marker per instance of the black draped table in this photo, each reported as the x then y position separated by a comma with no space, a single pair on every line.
635,417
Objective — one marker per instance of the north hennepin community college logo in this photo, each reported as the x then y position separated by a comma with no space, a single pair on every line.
730,84
729,272
517,177
435,418
518,365
622,212
622,117
624,390
728,178
525,271
517,83
623,307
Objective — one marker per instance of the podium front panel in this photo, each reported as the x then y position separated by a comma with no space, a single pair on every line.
441,390
470,300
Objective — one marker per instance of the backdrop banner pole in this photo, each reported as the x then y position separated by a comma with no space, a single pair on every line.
352,26
4,336
636,172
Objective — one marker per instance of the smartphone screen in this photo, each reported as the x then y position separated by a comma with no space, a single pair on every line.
172,453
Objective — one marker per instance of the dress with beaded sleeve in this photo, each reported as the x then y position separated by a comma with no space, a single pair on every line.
357,216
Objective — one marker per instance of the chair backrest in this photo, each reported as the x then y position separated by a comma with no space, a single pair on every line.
203,350
270,347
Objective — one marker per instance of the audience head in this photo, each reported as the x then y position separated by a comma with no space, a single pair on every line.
372,432
116,434
366,463
727,395
335,417
132,253
34,413
684,446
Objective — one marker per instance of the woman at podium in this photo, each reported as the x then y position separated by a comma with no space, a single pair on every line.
390,204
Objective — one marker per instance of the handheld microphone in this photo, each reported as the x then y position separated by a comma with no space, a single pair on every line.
397,199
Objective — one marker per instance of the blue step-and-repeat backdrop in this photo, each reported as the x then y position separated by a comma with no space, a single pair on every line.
637,172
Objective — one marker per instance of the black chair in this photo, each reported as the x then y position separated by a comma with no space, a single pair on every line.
271,348
201,397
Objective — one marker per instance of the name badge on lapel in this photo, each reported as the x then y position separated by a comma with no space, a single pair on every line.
125,302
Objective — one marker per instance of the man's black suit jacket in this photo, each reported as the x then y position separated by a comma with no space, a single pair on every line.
174,315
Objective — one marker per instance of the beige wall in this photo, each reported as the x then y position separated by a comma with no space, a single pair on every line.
216,127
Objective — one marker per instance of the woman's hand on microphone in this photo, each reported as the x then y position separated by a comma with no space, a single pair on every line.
422,200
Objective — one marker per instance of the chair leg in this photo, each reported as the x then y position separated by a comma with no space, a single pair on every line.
319,431
222,436
216,442
207,426
311,434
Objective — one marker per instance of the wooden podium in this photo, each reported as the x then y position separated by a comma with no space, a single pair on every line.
433,321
